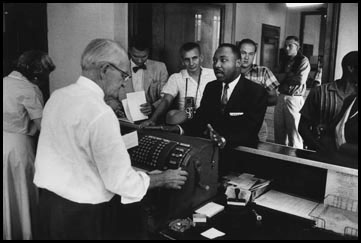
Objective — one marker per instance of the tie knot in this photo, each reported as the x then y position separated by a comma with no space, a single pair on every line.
135,69
226,86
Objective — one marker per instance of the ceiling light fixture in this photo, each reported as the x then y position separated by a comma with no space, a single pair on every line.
291,5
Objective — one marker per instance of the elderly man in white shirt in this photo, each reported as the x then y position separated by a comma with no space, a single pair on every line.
187,86
81,161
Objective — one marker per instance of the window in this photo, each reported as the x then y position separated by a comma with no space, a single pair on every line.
216,32
198,27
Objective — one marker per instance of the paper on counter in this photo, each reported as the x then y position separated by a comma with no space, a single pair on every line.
135,99
210,209
286,203
212,233
131,139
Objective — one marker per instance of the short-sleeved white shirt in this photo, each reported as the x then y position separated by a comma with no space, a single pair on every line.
22,103
176,86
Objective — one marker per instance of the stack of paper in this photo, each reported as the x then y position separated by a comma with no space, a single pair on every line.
243,188
132,104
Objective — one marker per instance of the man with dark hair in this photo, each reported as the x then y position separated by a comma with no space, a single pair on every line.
186,87
233,105
146,74
324,103
259,74
292,77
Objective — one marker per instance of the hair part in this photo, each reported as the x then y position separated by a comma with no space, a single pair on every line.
33,63
189,46
101,50
247,41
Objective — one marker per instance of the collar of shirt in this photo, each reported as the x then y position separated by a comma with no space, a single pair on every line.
18,75
132,64
253,68
186,75
231,86
332,86
91,85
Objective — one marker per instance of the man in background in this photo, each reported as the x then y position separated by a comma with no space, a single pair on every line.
324,103
260,75
292,78
185,88
148,75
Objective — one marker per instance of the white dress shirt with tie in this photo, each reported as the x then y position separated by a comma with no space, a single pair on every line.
137,77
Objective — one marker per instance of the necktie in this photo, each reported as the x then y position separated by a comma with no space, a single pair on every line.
136,68
224,98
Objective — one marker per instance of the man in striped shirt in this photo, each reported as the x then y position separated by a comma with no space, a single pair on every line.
259,74
323,104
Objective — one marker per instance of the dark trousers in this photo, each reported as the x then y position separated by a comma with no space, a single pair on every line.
61,219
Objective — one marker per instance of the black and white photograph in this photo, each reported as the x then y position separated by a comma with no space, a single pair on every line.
180,121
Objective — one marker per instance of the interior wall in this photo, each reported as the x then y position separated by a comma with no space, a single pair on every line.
293,23
312,32
347,34
71,26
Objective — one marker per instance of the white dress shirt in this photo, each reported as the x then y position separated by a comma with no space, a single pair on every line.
231,86
176,86
81,155
138,77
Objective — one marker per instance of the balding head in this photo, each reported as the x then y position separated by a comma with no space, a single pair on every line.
99,51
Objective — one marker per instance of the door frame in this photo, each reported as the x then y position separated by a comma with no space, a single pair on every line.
270,28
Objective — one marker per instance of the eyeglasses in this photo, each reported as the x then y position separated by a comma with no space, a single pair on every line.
125,75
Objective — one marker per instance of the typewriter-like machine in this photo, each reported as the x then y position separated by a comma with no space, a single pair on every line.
159,150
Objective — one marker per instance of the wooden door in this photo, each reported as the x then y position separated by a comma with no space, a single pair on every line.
177,23
269,46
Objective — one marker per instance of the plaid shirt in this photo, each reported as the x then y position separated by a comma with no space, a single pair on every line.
263,76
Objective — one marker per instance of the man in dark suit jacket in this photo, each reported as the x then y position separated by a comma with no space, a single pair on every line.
237,115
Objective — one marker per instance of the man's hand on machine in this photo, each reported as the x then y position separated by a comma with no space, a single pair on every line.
215,137
174,179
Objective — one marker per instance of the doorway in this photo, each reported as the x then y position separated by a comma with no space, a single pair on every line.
269,46
24,28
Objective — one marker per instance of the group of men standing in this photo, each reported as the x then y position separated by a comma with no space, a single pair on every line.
176,100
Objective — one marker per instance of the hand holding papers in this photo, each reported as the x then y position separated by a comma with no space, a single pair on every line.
132,106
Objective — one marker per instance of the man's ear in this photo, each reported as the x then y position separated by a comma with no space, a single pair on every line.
238,62
102,70
201,58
